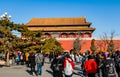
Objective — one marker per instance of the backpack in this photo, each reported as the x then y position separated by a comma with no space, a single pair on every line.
68,70
109,68
90,66
55,66
39,58
117,61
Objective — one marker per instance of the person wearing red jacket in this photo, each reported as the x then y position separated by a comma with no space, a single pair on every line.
90,66
68,59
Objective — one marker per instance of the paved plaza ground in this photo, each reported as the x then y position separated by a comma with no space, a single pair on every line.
23,71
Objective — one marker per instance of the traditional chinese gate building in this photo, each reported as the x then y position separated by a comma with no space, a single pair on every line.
62,27
65,30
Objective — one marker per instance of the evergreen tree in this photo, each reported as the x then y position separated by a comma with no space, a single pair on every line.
31,41
77,45
52,45
7,39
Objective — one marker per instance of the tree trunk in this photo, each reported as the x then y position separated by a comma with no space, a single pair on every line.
7,58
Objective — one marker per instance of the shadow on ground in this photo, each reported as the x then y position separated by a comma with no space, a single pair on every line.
29,72
1,66
50,72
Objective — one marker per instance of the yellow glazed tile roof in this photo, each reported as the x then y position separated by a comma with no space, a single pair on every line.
57,21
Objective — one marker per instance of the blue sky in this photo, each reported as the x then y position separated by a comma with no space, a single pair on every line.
104,14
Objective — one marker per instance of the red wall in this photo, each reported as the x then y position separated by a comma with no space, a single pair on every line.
68,44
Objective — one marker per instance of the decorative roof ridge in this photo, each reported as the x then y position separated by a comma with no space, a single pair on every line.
58,17
58,21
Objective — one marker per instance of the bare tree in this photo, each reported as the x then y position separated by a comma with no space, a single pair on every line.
105,41
112,35
111,43
99,44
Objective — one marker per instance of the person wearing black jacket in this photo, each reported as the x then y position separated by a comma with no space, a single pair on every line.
108,67
57,63
32,62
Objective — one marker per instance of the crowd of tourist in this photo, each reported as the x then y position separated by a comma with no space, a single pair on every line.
31,60
102,64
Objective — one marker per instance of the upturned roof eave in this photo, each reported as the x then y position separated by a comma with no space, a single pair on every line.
82,24
52,30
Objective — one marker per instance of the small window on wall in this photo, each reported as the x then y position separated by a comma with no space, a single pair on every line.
55,35
64,35
71,35
81,35
86,35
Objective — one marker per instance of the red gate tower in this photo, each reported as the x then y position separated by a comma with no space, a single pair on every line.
65,30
